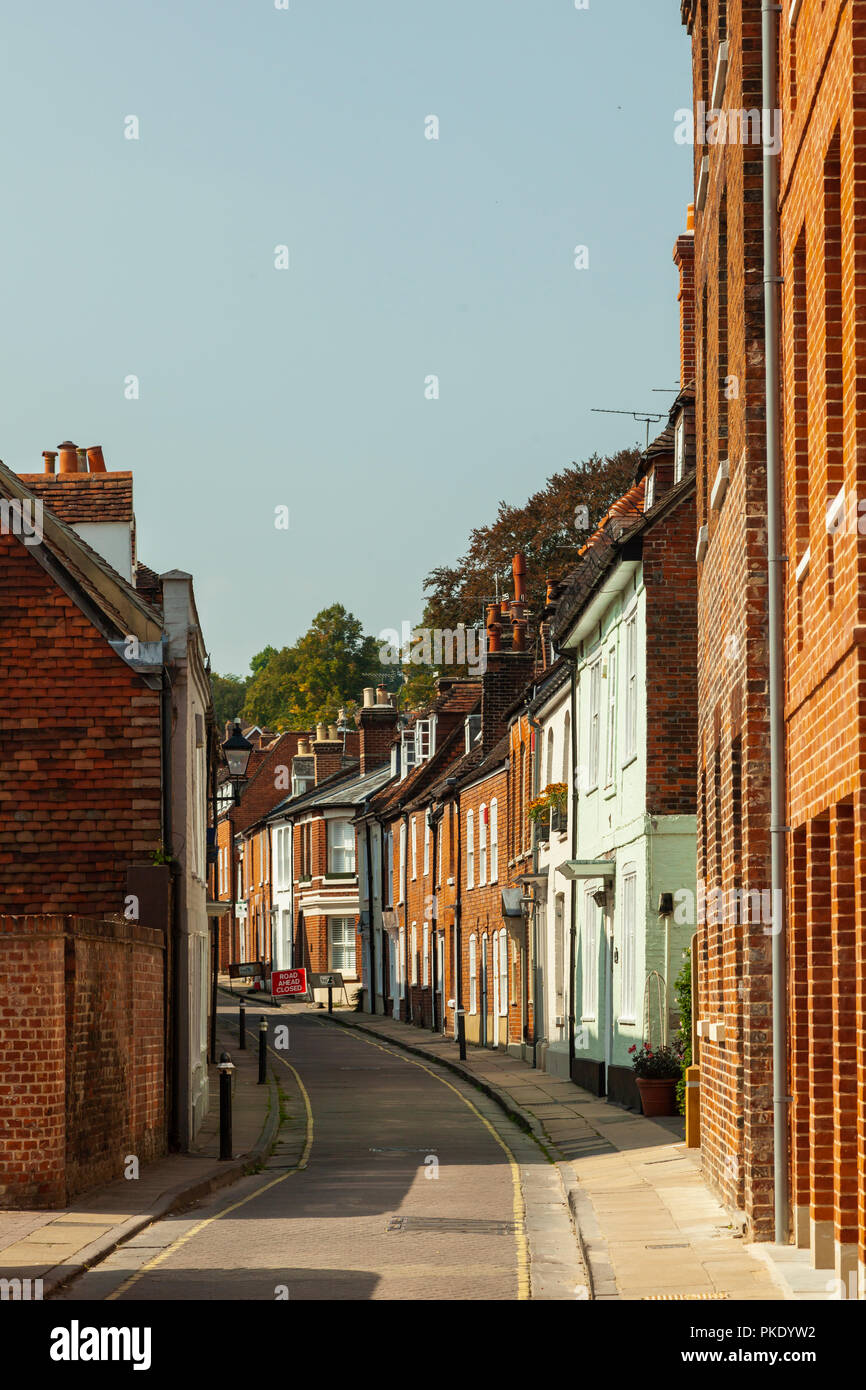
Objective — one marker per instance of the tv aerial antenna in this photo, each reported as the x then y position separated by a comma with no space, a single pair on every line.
642,415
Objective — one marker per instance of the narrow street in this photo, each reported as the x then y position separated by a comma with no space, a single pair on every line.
389,1180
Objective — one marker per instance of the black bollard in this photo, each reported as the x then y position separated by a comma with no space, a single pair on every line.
461,1034
226,1067
243,1026
263,1050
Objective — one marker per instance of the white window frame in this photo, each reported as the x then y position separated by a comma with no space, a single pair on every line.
679,446
413,959
649,490
401,886
610,749
502,966
414,840
482,843
631,689
341,847
426,846
594,721
473,974
388,856
425,955
342,946
494,840
591,910
470,849
628,954
423,740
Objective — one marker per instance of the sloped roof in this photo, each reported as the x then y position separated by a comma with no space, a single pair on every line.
337,790
83,497
114,596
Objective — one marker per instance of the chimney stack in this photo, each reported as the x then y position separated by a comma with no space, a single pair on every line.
377,723
68,457
684,260
48,457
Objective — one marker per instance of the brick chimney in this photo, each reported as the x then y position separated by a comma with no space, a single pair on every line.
327,753
684,260
377,720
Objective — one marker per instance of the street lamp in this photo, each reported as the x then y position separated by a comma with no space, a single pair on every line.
237,752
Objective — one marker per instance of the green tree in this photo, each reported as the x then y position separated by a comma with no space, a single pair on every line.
229,693
548,529
297,687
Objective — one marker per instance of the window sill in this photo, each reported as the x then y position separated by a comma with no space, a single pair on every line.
339,878
304,882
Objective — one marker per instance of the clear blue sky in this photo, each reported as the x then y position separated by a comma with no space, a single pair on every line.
408,257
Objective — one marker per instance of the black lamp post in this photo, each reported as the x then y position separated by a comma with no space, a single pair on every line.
237,752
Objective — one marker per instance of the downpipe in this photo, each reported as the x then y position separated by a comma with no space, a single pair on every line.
775,626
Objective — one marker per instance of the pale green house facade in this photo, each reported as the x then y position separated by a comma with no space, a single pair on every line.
629,847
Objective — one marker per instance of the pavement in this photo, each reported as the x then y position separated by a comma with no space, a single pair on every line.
56,1246
647,1224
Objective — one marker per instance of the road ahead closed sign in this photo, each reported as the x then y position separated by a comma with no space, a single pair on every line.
288,982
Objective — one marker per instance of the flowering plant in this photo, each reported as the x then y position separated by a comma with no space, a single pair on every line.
657,1063
553,798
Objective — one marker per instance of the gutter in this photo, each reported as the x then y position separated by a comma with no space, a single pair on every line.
775,630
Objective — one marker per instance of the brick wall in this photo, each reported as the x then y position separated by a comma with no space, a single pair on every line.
733,749
822,188
81,1040
80,763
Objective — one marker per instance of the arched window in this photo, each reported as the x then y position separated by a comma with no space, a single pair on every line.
494,841
473,974
470,849
482,844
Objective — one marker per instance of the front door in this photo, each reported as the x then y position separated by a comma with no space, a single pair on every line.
484,991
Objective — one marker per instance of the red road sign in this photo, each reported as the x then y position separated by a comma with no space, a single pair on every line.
288,982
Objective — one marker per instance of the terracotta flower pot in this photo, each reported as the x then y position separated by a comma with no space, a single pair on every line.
658,1095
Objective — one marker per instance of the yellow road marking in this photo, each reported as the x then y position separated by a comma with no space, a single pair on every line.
518,1206
194,1230
518,1203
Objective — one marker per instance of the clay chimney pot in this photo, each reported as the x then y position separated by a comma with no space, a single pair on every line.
68,457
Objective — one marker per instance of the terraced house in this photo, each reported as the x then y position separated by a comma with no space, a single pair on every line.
107,742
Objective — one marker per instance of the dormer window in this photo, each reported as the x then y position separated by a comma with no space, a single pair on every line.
423,739
679,446
649,492
473,731
407,747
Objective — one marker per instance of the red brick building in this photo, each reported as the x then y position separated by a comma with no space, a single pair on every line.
87,951
820,172
822,184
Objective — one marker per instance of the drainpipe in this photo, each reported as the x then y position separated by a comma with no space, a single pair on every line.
370,902
458,926
572,934
404,885
775,633
538,1020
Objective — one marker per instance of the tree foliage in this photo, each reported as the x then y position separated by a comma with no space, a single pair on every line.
229,693
300,686
548,529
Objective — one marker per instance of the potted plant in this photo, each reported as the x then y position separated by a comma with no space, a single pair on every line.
548,809
657,1071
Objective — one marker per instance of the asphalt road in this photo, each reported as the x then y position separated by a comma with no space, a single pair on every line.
392,1179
